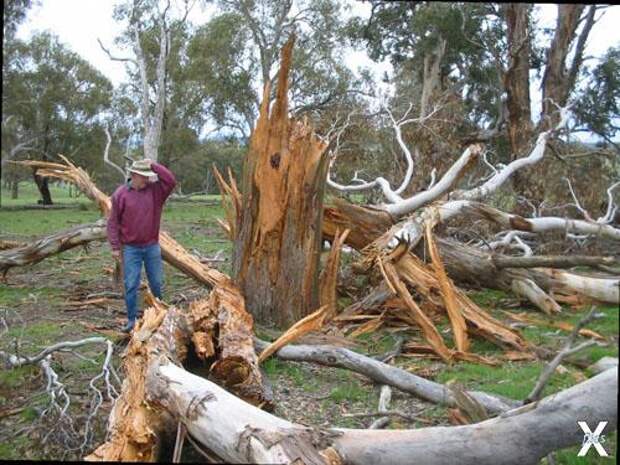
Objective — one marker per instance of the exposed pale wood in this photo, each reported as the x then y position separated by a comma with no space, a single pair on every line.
329,276
223,315
530,290
312,322
428,328
278,233
602,289
140,419
459,328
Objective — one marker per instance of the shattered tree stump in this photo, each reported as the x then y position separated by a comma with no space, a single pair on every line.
276,223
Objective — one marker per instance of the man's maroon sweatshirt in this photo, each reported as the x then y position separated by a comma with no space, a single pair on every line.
136,214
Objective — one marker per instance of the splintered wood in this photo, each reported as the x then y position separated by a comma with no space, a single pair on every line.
448,292
275,222
219,329
432,295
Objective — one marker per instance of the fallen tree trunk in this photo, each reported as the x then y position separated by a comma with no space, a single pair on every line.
219,329
238,432
520,436
29,254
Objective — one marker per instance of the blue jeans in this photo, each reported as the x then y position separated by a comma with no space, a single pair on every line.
133,256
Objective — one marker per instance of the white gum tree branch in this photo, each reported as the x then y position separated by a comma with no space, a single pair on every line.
393,196
115,58
106,154
577,204
438,189
240,432
611,207
502,175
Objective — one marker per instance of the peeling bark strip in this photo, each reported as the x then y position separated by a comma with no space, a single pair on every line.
278,230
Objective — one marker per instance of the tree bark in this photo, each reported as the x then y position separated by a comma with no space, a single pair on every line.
383,373
220,329
556,85
278,226
516,77
520,436
238,432
32,253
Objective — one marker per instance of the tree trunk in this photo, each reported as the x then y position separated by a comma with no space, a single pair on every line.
240,433
14,189
520,436
516,78
556,85
43,186
277,235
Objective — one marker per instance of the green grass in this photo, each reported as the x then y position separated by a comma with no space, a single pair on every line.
276,368
28,194
349,392
35,223
10,379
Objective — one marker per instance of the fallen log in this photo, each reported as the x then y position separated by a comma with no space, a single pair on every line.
551,261
45,247
520,436
140,422
383,373
238,432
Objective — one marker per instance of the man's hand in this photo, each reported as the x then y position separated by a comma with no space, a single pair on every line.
116,254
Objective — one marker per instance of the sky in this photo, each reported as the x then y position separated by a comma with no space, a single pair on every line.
79,23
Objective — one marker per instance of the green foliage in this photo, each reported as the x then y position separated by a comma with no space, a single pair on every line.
598,107
52,101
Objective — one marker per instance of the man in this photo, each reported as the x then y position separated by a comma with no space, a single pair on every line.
133,230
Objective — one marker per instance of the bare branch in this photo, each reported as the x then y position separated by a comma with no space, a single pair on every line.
567,350
106,154
114,58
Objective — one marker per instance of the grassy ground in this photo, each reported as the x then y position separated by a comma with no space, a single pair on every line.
34,306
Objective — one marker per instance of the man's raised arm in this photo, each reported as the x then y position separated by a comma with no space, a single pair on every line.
167,181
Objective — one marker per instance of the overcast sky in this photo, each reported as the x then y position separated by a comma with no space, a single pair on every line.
78,23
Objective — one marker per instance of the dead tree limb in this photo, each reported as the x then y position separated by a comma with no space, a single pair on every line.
45,247
551,261
543,427
566,350
384,374
141,420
